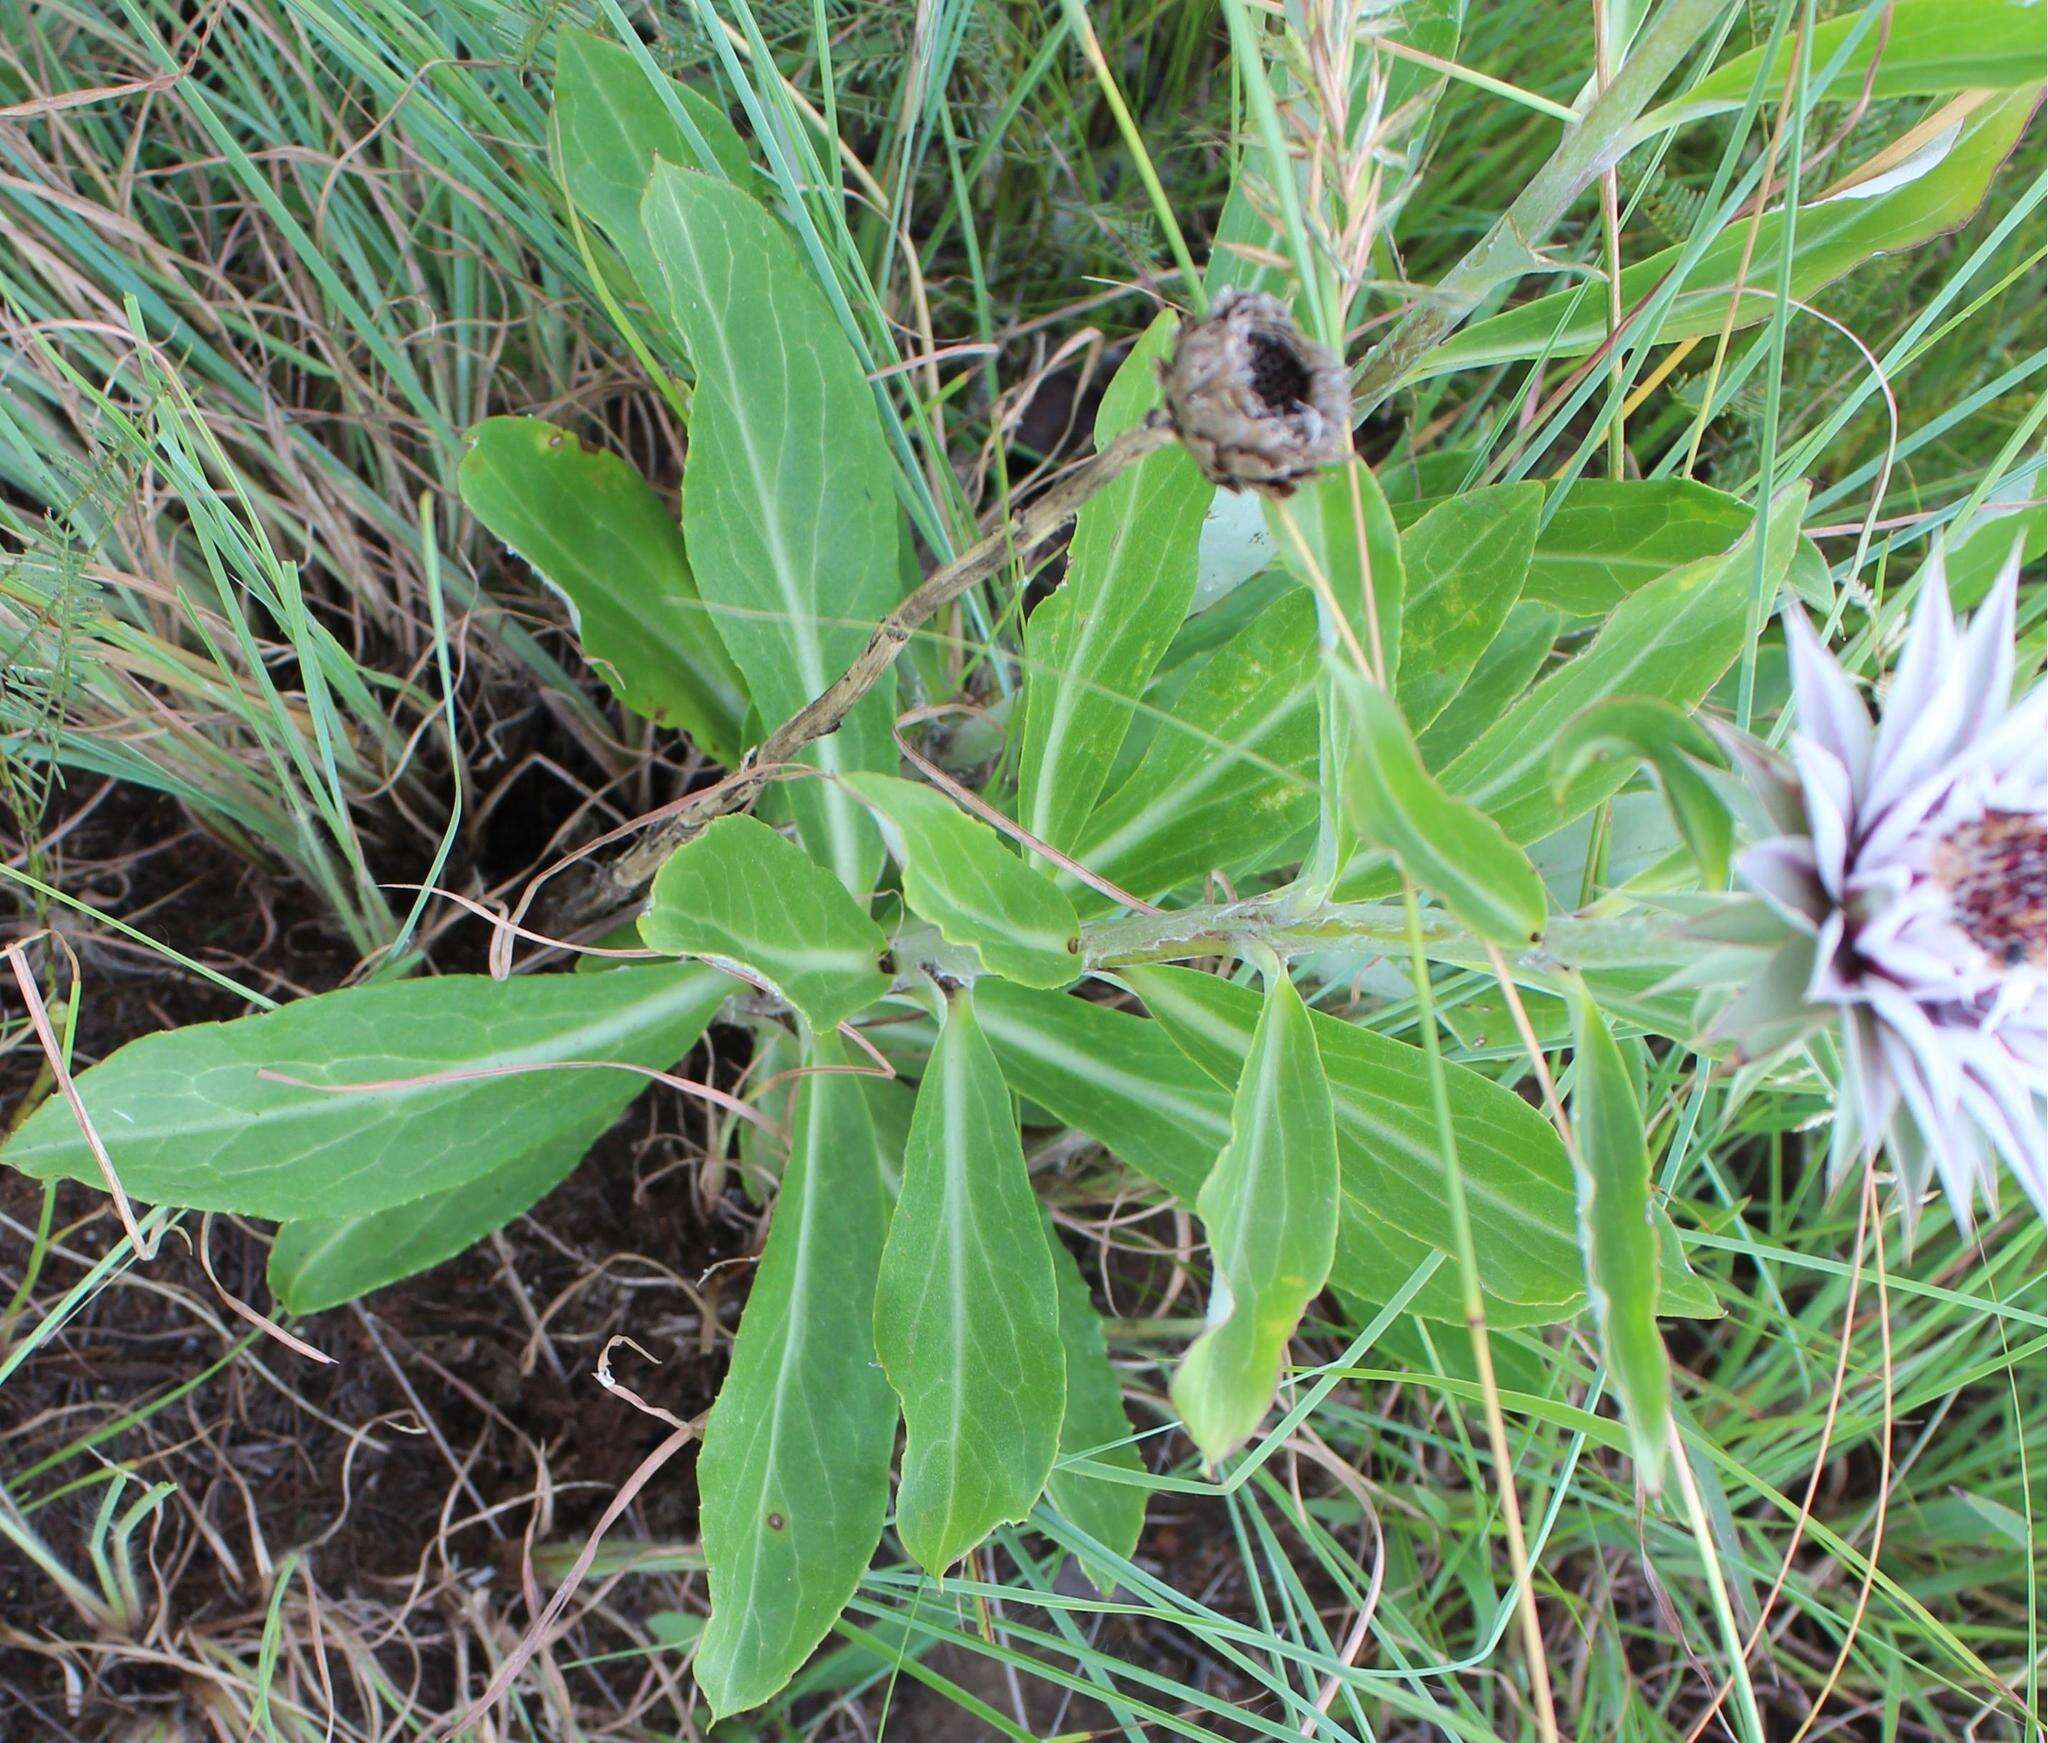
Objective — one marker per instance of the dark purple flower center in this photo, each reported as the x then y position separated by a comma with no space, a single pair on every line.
1996,873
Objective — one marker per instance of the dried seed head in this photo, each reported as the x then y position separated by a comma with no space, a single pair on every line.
1254,401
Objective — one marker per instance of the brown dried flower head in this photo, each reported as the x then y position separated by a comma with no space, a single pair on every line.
1254,401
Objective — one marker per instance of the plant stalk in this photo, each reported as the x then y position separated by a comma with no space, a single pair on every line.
1508,250
1232,927
1534,1654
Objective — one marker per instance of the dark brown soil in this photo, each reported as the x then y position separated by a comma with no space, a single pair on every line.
446,1435
445,1432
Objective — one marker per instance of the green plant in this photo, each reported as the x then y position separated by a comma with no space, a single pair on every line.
1414,734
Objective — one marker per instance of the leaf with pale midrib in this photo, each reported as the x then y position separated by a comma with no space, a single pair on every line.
1130,575
789,493
1165,1112
1618,1234
257,1117
1269,1212
743,897
793,1481
1465,563
958,875
967,1310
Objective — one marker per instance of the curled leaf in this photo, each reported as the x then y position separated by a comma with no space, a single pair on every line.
1618,1234
1673,747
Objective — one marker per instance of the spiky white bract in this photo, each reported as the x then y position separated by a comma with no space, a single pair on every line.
1904,897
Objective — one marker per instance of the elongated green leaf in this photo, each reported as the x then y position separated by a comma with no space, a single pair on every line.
1146,1100
1608,536
613,123
1413,484
1464,565
1834,236
958,875
1204,632
789,509
320,1263
743,897
1672,639
1116,1077
1352,543
1269,1209
1228,779
1619,1234
599,536
967,1310
1130,575
794,1476
1095,1425
1611,536
257,1116
1517,1177
1978,555
1673,746
1922,49
1449,846
1511,661
891,1105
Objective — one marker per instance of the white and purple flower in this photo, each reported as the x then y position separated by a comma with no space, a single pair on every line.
1906,888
